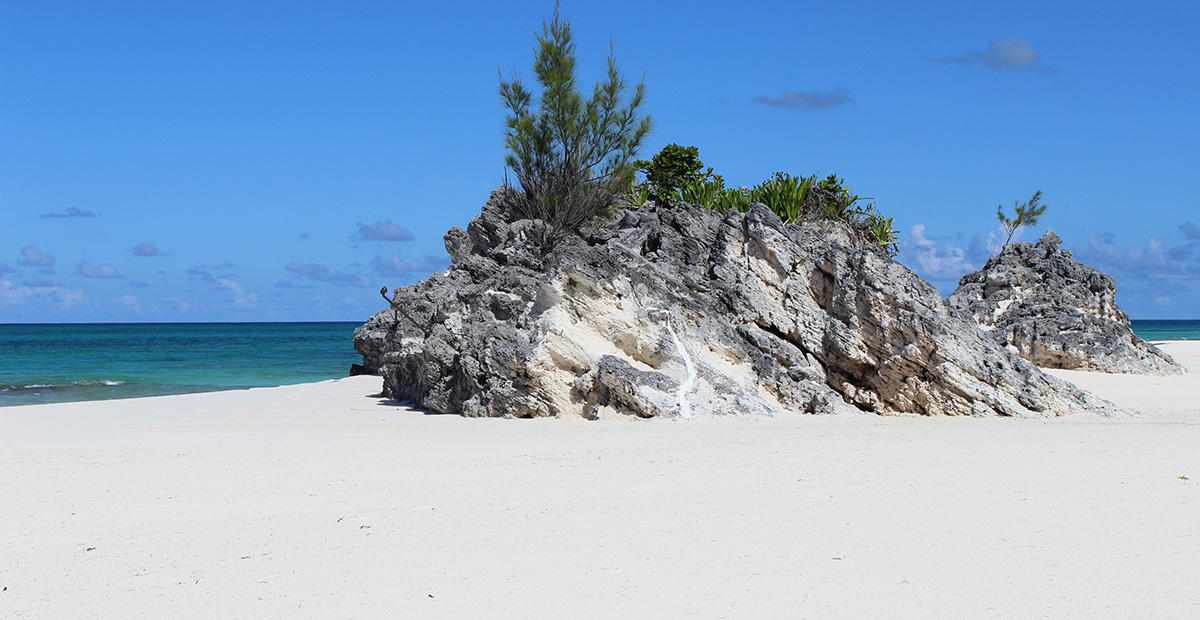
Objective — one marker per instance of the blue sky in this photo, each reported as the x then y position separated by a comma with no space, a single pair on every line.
223,161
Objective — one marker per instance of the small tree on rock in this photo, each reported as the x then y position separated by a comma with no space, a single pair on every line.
1026,215
571,156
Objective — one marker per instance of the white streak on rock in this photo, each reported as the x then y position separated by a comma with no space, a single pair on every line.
685,409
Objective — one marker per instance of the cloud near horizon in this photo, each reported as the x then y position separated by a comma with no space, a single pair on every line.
381,230
1151,276
321,273
89,270
1008,54
815,100
32,257
17,295
1154,261
944,262
399,266
71,212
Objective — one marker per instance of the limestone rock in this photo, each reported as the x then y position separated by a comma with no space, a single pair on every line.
1056,312
683,311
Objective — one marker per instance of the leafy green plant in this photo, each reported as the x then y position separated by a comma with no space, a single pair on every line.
677,175
735,199
1025,215
832,200
883,233
784,194
637,195
701,191
673,169
572,156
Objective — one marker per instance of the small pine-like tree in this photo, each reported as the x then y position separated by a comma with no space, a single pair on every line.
1026,215
572,156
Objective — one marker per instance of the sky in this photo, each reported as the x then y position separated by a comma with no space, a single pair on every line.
283,161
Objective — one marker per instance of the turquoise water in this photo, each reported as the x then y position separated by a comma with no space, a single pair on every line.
61,363
1179,329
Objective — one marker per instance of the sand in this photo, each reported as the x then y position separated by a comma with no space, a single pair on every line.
322,501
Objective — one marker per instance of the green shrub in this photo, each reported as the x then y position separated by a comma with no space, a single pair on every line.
673,169
573,156
677,175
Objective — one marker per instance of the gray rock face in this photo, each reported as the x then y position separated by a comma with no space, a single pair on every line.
1055,312
683,312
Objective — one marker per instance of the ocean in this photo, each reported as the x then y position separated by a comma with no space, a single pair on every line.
74,362
63,363
1175,329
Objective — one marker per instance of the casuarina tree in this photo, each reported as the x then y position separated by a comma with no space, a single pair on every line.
571,155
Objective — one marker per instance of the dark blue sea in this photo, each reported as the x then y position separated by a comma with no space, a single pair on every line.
61,363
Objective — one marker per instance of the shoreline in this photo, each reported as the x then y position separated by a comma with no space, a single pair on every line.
321,500
1186,352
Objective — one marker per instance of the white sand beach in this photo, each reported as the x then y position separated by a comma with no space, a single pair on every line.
322,501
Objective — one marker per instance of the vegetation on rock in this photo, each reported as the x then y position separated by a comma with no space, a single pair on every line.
571,155
1025,215
573,158
677,175
673,169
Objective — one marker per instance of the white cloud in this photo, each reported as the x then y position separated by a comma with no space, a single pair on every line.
241,298
947,262
1152,279
70,212
17,295
202,274
1190,231
129,302
1155,260
145,249
381,230
399,266
88,270
1008,54
177,303
292,284
224,284
815,100
321,273
32,257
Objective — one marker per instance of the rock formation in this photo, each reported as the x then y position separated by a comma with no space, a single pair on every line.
1055,312
683,311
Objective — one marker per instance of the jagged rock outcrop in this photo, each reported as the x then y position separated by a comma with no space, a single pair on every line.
1056,312
685,311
